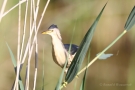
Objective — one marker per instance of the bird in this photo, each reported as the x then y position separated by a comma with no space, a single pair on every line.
60,51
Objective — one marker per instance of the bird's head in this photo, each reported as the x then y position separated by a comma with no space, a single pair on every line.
53,31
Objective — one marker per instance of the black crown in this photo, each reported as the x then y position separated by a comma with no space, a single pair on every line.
52,26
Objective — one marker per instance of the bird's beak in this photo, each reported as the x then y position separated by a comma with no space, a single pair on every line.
46,32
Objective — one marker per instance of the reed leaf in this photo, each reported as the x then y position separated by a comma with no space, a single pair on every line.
131,20
15,67
85,74
80,55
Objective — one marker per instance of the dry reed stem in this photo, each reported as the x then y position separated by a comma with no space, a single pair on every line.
26,50
39,24
30,53
35,11
2,9
24,29
36,60
20,2
18,48
28,64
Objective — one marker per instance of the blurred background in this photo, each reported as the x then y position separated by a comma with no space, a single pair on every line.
115,73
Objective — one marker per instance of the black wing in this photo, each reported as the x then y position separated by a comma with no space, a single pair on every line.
73,50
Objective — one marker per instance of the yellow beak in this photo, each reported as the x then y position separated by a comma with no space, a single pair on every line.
47,32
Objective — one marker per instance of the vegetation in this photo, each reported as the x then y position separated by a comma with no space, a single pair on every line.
28,46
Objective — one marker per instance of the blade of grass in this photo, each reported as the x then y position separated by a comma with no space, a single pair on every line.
80,55
12,55
43,75
84,77
15,67
83,82
61,77
131,20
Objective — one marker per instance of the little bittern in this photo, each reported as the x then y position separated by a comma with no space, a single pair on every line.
60,50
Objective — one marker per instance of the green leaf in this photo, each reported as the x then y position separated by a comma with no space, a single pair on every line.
15,65
12,56
85,73
43,80
83,82
80,55
60,79
21,84
131,19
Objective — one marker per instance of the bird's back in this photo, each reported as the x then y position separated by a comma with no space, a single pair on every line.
73,49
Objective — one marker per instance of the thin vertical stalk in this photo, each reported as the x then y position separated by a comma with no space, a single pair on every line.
27,76
43,71
36,9
24,29
31,15
28,73
18,48
36,52
19,31
2,9
25,79
36,63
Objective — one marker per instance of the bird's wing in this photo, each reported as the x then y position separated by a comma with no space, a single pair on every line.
73,50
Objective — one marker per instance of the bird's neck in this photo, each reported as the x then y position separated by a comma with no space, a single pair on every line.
58,51
56,41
